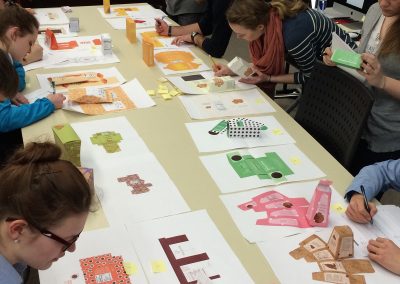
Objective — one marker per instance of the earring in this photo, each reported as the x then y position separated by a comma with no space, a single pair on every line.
16,241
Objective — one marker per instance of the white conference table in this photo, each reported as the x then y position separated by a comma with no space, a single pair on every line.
163,130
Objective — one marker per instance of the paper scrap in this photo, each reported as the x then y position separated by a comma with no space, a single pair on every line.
166,96
158,266
339,208
130,267
277,131
295,160
151,92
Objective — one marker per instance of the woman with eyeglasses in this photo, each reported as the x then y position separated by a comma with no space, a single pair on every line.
44,203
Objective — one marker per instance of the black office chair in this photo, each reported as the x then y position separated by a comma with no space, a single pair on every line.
334,108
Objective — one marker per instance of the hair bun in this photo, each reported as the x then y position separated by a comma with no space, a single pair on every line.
36,153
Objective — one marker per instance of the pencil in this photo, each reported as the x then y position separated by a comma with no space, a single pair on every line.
213,65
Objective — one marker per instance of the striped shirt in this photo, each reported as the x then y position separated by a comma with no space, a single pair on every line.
306,36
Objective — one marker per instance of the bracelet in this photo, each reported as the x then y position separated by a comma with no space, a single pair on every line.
169,30
384,83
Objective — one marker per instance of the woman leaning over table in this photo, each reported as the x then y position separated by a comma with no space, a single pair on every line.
276,28
380,48
44,203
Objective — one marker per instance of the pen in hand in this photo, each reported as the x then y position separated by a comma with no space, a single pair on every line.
366,203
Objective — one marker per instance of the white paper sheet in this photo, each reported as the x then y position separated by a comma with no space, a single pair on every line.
205,142
228,180
111,240
235,103
277,255
161,42
202,237
47,60
86,52
180,60
139,10
95,156
128,196
120,23
188,87
246,220
112,76
338,43
51,16
133,90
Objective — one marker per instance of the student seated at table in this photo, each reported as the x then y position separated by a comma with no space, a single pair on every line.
15,24
276,28
375,179
186,12
44,203
213,23
380,49
12,117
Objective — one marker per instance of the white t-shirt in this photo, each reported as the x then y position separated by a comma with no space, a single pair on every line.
374,41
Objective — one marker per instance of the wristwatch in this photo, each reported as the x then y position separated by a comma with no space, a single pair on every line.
193,35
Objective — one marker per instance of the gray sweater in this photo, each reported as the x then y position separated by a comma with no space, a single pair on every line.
383,126
179,7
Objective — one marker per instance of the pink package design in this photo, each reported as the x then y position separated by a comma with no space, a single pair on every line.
295,217
318,211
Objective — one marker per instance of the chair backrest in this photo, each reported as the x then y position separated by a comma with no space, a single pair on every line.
334,108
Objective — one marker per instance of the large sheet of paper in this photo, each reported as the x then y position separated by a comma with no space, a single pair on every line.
83,51
246,169
106,140
338,43
132,10
139,187
176,61
114,241
246,221
130,95
185,248
277,255
141,23
51,16
207,141
235,103
108,77
187,84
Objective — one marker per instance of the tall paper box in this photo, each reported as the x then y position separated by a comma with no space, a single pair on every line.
341,242
318,212
69,142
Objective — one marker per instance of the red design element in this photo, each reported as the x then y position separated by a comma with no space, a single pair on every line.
52,43
104,269
138,185
177,263
237,101
97,41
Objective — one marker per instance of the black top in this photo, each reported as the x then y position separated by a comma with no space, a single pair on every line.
214,23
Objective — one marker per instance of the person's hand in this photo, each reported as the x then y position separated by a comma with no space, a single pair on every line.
386,253
371,70
57,100
19,99
256,77
179,40
34,55
327,57
30,10
161,27
222,70
356,210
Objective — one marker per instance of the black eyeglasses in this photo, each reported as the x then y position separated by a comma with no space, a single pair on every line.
50,235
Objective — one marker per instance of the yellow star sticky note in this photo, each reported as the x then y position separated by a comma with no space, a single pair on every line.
338,208
259,101
166,96
151,92
158,266
130,267
277,131
295,160
162,91
162,87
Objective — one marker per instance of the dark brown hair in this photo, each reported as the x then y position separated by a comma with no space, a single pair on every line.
8,76
42,189
391,41
251,13
15,16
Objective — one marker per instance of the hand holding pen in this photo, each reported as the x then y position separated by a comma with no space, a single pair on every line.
357,210
161,26
366,203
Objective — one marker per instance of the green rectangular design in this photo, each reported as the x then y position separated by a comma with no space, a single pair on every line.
69,142
347,58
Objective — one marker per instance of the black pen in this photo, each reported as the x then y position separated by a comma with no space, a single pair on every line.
366,203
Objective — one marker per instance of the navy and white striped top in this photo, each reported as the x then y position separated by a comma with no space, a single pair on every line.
306,36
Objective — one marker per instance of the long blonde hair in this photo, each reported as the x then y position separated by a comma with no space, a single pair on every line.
391,42
251,13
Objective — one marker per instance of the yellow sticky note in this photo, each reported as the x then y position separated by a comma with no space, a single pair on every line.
166,96
151,92
295,160
158,266
173,93
259,101
130,267
339,208
162,87
277,131
161,91
162,80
